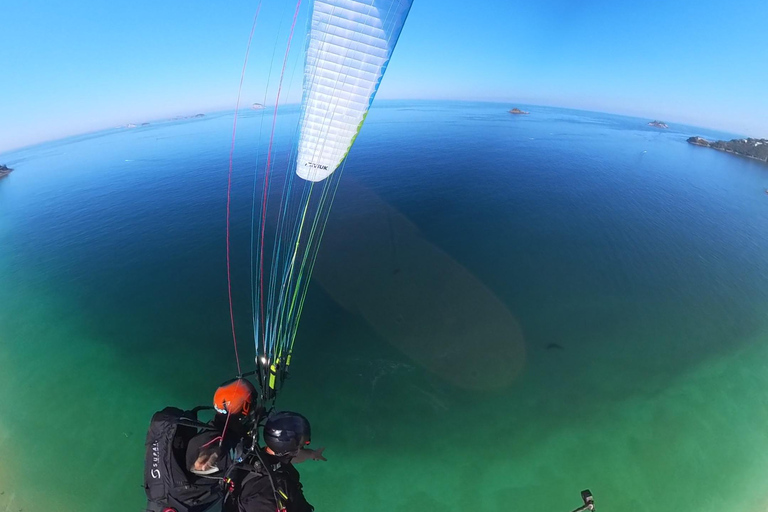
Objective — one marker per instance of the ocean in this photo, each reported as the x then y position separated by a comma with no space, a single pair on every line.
506,310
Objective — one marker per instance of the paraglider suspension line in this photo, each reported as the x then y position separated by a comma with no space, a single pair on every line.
229,187
269,160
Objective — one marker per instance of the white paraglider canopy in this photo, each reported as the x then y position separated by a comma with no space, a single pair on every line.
350,43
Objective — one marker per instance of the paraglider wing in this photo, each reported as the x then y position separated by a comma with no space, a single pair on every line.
350,43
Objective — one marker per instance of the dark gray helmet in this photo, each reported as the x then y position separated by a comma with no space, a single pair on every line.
286,432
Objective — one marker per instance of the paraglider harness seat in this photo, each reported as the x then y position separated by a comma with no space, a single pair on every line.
169,487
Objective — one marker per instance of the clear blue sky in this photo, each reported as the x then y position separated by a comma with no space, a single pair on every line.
73,67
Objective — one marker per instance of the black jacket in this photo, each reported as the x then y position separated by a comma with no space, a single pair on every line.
253,489
256,492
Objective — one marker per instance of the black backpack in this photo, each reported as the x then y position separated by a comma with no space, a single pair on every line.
167,484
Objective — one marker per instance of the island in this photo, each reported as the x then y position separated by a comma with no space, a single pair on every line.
750,148
257,106
658,124
4,171
517,111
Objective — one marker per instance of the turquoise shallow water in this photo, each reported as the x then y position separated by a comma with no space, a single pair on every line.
639,260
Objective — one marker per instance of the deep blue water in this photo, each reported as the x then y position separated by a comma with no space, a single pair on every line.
622,272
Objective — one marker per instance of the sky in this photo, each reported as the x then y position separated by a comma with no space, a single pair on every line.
81,66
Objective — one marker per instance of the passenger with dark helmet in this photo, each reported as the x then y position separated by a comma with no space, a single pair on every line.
193,466
272,482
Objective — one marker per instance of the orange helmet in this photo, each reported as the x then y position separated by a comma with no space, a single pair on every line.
234,397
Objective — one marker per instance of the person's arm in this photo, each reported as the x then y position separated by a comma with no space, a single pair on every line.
257,495
305,454
203,453
298,503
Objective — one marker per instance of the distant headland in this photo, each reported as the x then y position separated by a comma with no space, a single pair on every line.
177,118
750,148
134,125
4,171
658,124
196,116
518,111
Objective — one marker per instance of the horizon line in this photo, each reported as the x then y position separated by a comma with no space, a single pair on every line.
216,110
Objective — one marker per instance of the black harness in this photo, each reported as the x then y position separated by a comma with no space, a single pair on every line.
168,486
